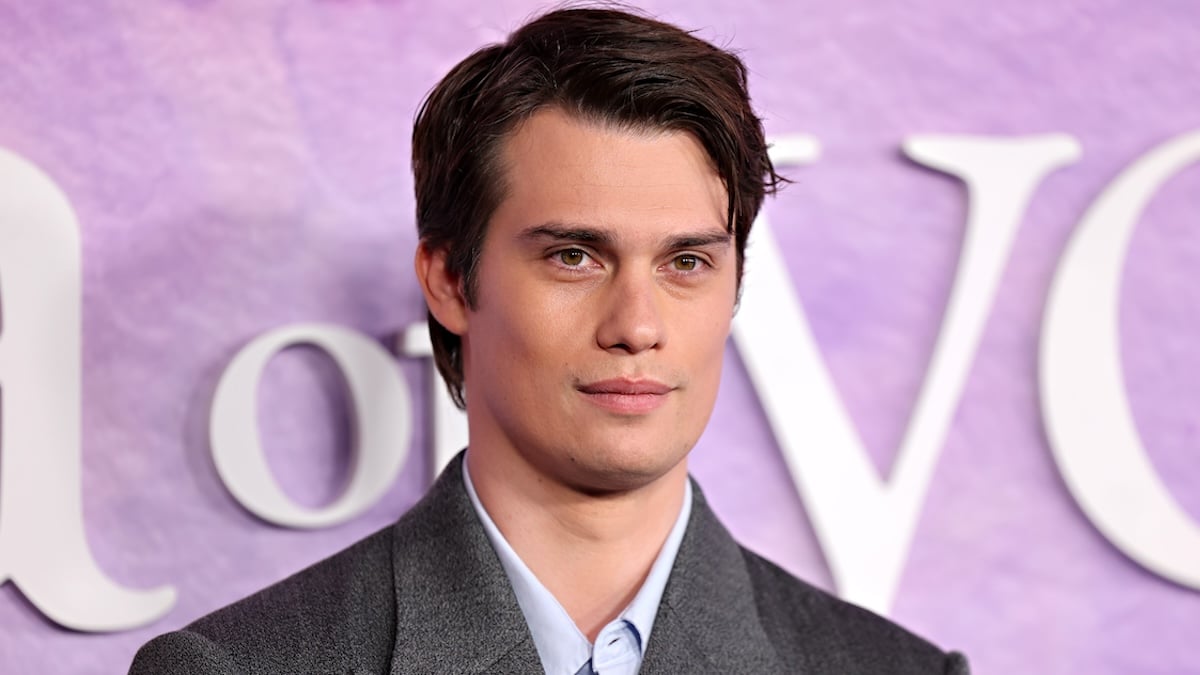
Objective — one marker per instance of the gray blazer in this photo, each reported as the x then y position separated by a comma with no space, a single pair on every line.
428,595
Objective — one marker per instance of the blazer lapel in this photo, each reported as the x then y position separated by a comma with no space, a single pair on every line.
708,621
455,609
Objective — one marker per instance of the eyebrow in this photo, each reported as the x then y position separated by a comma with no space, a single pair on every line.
718,238
566,232
591,235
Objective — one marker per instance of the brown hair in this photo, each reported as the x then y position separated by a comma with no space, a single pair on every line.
602,65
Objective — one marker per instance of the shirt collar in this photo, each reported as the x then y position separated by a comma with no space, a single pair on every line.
560,644
644,608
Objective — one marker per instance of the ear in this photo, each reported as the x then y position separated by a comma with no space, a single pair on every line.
443,290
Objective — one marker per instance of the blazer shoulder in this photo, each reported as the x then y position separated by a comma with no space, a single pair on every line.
809,625
182,651
337,615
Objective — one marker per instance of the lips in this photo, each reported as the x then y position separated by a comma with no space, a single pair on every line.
627,387
627,397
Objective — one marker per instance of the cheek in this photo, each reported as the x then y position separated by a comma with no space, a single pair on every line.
528,331
703,337
713,321
712,361
713,334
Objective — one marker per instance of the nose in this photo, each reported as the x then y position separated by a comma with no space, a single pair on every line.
632,320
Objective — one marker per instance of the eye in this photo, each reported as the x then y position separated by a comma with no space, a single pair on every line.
686,263
571,257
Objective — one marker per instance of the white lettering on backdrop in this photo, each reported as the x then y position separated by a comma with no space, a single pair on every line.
42,545
449,424
865,525
1086,413
379,402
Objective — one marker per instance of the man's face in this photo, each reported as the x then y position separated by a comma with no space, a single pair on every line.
606,287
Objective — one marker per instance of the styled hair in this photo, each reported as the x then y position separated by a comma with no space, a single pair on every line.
601,65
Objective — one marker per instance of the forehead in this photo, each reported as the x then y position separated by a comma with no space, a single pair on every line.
558,167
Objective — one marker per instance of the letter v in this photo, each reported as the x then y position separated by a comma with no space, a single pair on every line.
865,524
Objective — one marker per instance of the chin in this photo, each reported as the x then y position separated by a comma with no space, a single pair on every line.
621,469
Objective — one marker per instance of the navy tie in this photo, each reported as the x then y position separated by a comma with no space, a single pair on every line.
586,669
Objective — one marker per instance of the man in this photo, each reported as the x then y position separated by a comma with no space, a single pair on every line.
584,194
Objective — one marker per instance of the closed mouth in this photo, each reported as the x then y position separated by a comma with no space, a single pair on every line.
626,387
626,397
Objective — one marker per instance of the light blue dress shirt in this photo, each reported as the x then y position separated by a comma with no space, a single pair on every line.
561,646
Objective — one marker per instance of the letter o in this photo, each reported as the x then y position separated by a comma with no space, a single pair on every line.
382,418
1087,415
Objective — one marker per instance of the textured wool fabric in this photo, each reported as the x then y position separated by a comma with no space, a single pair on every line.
428,595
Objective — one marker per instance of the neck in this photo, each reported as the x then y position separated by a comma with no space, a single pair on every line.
592,551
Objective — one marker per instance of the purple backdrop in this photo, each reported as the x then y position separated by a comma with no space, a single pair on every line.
240,166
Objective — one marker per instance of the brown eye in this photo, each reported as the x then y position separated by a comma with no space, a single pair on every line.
686,263
572,257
